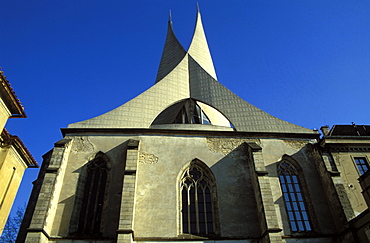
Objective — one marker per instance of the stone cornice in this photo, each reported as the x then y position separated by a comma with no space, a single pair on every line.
205,133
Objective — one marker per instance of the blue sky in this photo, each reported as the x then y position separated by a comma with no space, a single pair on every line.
306,62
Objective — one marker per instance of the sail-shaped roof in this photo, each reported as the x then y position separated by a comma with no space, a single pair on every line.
189,75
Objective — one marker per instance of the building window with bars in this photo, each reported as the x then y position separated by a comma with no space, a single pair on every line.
293,197
362,165
198,197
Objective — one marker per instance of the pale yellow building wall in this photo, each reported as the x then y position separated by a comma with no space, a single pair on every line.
4,115
7,163
349,175
12,169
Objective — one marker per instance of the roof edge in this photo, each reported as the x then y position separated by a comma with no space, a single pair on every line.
11,140
206,133
10,98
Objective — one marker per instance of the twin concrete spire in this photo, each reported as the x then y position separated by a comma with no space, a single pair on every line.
186,75
174,52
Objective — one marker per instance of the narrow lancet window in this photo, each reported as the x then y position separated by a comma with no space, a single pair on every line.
293,197
197,204
93,198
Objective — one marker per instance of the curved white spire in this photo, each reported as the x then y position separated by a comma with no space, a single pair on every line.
183,75
199,50
172,54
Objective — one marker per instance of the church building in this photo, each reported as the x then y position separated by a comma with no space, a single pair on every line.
189,160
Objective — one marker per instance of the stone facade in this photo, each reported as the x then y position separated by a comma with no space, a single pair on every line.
188,160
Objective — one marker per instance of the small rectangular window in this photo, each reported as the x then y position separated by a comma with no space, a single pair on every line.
362,165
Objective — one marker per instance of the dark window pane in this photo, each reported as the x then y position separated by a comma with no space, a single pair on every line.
304,215
192,207
208,194
185,217
295,179
298,215
286,197
209,217
193,228
288,206
202,228
201,207
208,207
202,217
184,198
300,226
185,227
295,206
210,228
293,225
193,217
299,197
297,189
308,226
290,186
283,187
292,196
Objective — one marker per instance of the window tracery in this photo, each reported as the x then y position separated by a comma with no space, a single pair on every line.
93,195
293,198
197,200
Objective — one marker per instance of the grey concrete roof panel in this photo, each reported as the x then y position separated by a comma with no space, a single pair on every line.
189,75
172,54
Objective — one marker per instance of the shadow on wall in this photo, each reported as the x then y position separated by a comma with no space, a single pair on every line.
237,197
116,159
314,192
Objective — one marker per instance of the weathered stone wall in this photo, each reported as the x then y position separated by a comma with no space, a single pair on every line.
142,201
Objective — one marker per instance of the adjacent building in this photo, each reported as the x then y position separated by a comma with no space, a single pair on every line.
346,154
188,160
14,156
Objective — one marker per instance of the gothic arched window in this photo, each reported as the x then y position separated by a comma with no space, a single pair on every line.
93,195
293,197
197,199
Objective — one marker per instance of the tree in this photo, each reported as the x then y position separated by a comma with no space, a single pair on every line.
12,225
